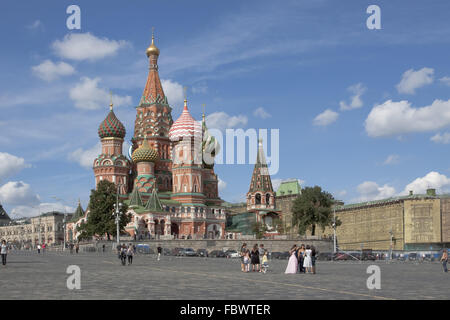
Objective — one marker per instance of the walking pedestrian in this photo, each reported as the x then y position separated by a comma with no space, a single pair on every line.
123,255
77,247
264,263
130,253
292,263
39,248
103,247
159,252
444,259
3,251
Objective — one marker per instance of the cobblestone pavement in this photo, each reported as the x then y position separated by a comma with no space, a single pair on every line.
31,276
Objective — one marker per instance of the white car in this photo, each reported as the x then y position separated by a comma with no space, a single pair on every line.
232,254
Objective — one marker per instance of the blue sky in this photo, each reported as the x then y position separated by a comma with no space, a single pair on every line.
365,114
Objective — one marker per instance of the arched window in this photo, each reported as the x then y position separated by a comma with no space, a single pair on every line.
268,198
258,198
188,209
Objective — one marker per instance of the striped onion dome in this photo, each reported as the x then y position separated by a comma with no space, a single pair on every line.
111,126
144,153
185,126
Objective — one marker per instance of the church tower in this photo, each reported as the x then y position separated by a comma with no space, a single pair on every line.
144,159
153,120
260,195
111,164
186,135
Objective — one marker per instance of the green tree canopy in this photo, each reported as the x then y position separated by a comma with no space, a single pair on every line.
311,208
100,220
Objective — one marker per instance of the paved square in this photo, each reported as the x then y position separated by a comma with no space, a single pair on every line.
31,276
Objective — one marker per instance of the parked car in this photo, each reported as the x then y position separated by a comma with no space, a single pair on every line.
368,256
143,249
232,254
324,256
166,252
202,253
177,251
340,256
188,252
217,254
275,255
412,256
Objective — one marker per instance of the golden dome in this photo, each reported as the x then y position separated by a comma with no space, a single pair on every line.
144,153
152,49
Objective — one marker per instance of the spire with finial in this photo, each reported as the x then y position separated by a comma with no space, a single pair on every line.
152,49
111,101
185,98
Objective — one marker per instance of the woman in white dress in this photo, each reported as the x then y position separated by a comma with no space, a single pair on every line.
292,264
307,262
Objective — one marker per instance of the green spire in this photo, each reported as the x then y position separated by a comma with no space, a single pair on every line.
154,204
135,198
79,212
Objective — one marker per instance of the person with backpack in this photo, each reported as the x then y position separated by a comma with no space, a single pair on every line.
3,251
123,255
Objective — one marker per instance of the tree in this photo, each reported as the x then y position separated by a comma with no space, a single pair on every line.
101,219
311,208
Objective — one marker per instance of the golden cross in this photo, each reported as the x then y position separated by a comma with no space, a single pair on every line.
185,93
111,103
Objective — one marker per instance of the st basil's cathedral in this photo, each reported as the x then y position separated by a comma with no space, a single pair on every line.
169,192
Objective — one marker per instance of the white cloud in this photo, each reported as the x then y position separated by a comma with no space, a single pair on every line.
325,118
392,159
86,157
10,165
87,95
412,80
356,102
431,180
445,80
222,121
49,70
85,46
277,182
222,185
261,113
35,25
396,118
341,193
444,138
173,91
201,88
22,211
370,190
18,193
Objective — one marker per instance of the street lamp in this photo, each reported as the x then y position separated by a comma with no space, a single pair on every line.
117,207
334,228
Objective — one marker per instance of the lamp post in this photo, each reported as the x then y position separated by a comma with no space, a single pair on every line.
390,247
334,228
117,207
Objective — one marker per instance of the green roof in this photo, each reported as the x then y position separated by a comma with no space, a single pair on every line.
154,204
289,187
135,198
79,213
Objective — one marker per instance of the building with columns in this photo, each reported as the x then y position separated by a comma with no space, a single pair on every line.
170,189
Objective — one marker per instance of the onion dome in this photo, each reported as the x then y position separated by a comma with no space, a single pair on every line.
144,153
152,49
111,126
185,126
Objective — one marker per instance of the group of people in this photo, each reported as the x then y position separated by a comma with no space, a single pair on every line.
257,257
125,253
302,259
